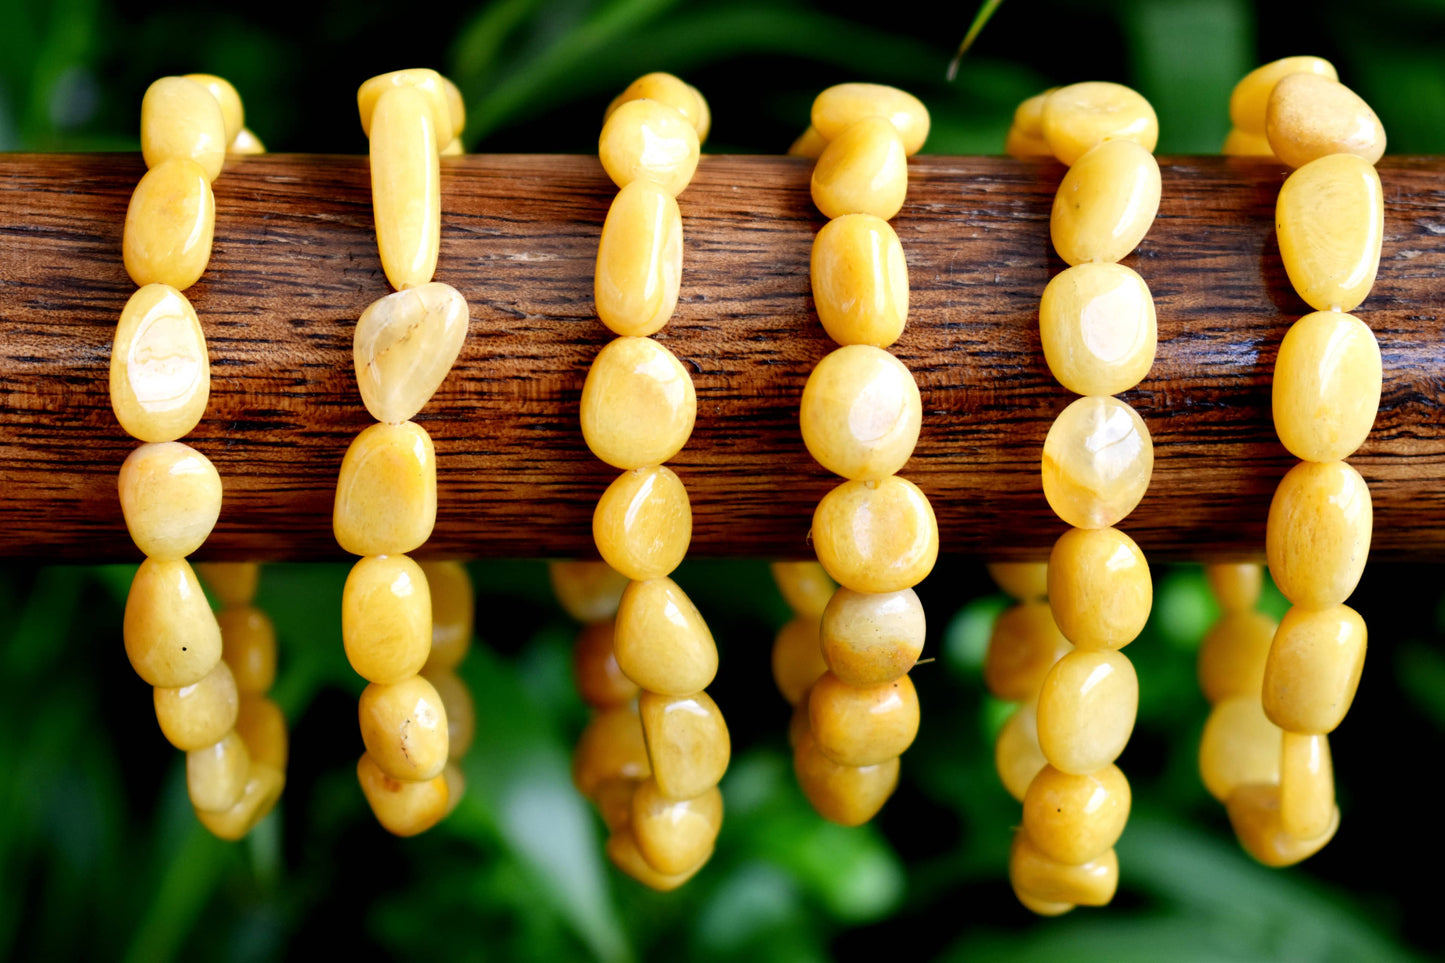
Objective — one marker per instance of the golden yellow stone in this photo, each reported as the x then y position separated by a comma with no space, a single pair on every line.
456,107
1330,220
611,747
798,657
1099,588
170,495
600,681
386,492
248,645
638,404
246,143
456,783
171,637
798,728
649,141
1029,115
1241,143
1026,147
687,742
1308,117
198,715
404,727
1086,711
846,795
876,536
405,345
672,91
623,852
643,523
806,586
661,640
639,261
1033,873
232,583
1327,382
406,197
870,639
1239,746
233,114
432,86
587,591
386,618
264,784
182,120
809,144
1098,458
216,775
262,727
1233,653
863,170
1075,818
613,798
1024,581
1236,585
1249,101
403,808
1106,203
452,607
861,413
169,225
1041,907
862,725
860,280
1024,646
1016,753
1314,668
454,148
1318,534
160,372
843,105
1098,328
1254,812
674,835
461,711
1077,118
1306,785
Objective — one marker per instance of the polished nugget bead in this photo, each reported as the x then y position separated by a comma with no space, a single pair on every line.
1330,219
386,618
638,404
1241,143
1249,101
611,747
233,114
843,105
406,186
263,788
1024,646
643,523
386,493
431,85
1086,710
622,850
216,774
613,798
1099,588
456,783
452,609
1236,585
860,280
169,225
797,657
674,835
1024,581
1098,328
863,170
868,639
1327,382
661,640
861,413
461,711
876,536
863,725
1087,884
1098,458
1306,785
600,681
1105,203
1075,818
1026,146
170,495
1233,653
160,373
171,637
1314,668
198,715
404,727
456,107
1254,812
1040,907
1016,753
639,261
248,644
1239,746
403,808
846,795
687,742
806,586
1309,117
1077,118
232,583
404,346
246,143
587,591
262,727
1318,534
649,141
1029,114
672,91
809,144
181,119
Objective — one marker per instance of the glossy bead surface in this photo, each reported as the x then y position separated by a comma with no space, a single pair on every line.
1309,116
643,523
861,413
264,784
461,711
160,371
860,280
198,715
587,591
613,798
1077,118
639,261
1016,753
386,618
1034,873
809,144
386,492
405,345
1100,590
403,808
431,85
870,639
262,727
687,742
1314,668
1086,710
1330,220
404,727
1233,653
1098,459
661,641
181,119
232,583
672,91
216,774
171,637
863,725
1236,585
863,170
1254,812
622,850
1239,746
170,495
1306,785
638,404
1106,203
1024,581
406,192
649,141
452,610
806,586
233,114
846,795
1076,818
675,835
246,142
1249,101
1318,534
843,105
1241,143
1326,387
876,536
248,645
1029,114
1023,647
600,681
797,657
169,225
611,747
1098,328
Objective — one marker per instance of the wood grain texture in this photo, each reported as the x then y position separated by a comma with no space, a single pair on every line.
295,263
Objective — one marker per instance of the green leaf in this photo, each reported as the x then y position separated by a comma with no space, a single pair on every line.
985,12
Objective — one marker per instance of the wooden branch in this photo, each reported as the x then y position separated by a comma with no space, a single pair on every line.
295,263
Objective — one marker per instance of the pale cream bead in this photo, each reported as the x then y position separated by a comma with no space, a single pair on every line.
846,795
861,413
169,225
1236,585
264,784
1033,873
860,280
160,371
863,725
1016,753
232,583
1314,668
674,835
643,523
687,742
170,495
198,715
404,727
171,637
843,105
1254,812
672,91
638,404
1249,101
622,850
1233,654
1098,459
1326,387
806,586
871,638
639,261
1075,818
587,591
405,345
461,711
403,808
454,148
386,492
406,193
1100,590
182,119
1098,328
863,170
1024,581
1106,203
248,646
246,143
649,141
1239,746
1077,118
233,113
386,618
1330,221
216,774
1309,117
661,640
1086,710
1318,534
610,748
456,107
876,536
797,657
1023,647
1306,785
452,609
262,727
432,86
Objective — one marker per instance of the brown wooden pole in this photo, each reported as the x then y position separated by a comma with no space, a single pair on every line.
295,263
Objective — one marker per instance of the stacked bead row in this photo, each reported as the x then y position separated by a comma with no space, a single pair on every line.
170,493
1329,220
875,534
638,408
1098,329
386,494
452,613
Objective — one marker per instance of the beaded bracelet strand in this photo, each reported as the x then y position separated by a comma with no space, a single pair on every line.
1098,330
405,345
452,614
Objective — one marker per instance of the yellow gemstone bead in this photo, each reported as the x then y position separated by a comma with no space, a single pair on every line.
1098,328
843,105
1033,873
661,640
386,492
1086,711
1098,458
456,783
1241,143
248,645
649,141
809,144
687,742
233,114
1309,116
638,404
403,808
1236,585
806,586
405,345
170,495
1077,118
169,225
460,710
1254,812
160,372
246,143
1016,753
171,637
870,639
798,721
846,795
404,727
1074,819
1318,534
600,681
798,657
1232,656
456,107
1024,646
233,583
863,725
1327,382
1024,581
639,261
386,618
1314,668
1330,219
861,413
1249,101
262,727
1239,746
1026,147
1105,203
1099,588
454,148
452,608
587,591
264,784
675,835
622,850
1029,114
860,280
1306,785
863,170
406,186
432,86
876,536
181,119
611,747
675,93
613,798
643,523
216,775
1041,907
198,715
